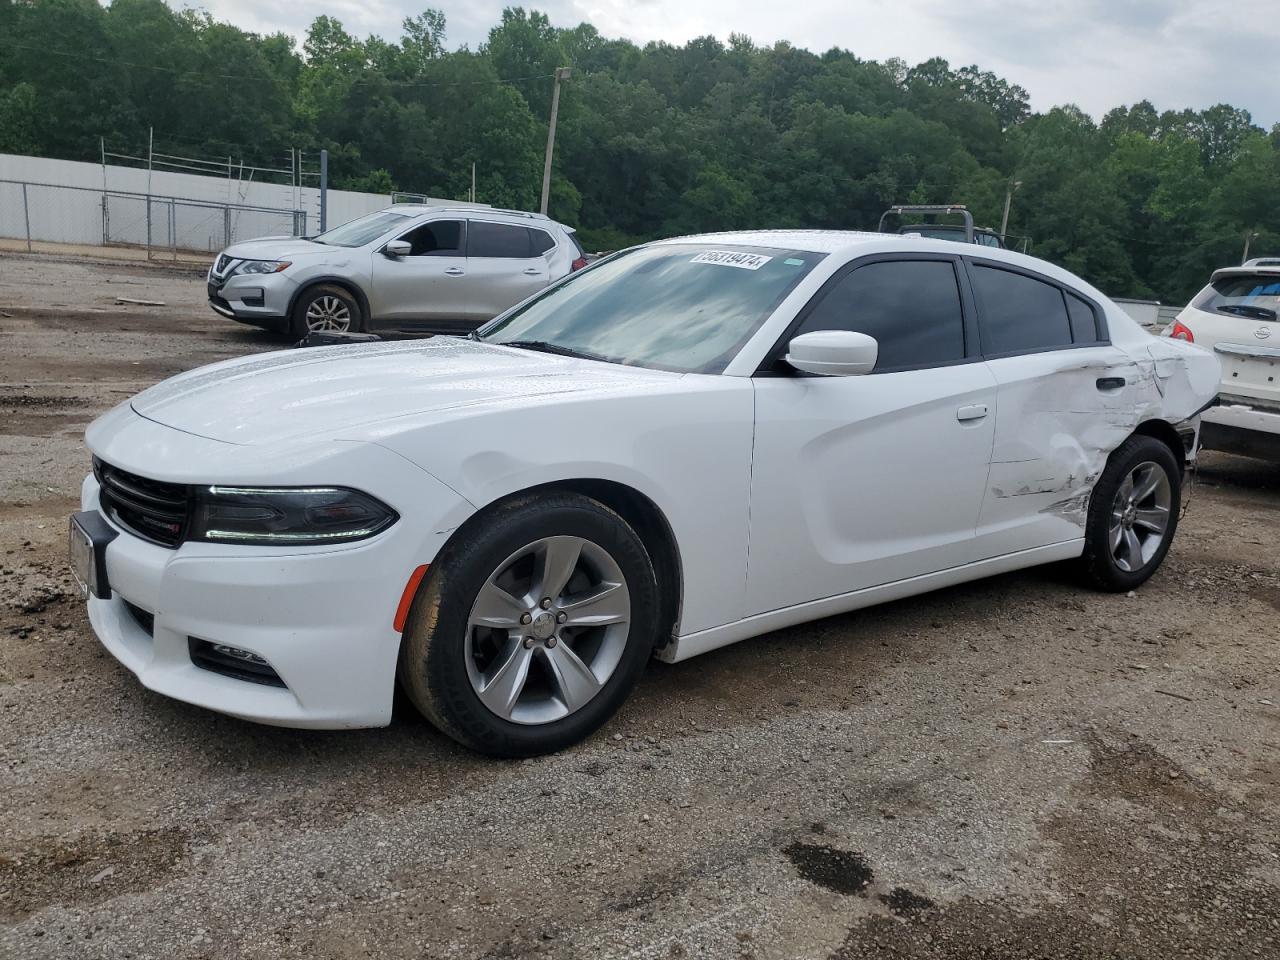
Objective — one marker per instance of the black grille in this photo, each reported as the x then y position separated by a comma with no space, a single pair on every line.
150,509
221,266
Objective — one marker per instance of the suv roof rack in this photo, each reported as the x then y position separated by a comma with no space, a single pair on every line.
926,208
488,209
1262,262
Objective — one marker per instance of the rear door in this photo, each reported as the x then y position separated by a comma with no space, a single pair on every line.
428,288
503,265
1064,400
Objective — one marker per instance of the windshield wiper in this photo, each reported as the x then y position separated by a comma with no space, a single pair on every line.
544,346
1240,309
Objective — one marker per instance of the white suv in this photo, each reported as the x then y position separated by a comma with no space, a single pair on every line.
1235,316
409,269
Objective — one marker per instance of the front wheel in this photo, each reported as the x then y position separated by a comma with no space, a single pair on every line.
326,308
532,628
1133,515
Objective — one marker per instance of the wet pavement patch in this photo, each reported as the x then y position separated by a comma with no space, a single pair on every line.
902,901
840,871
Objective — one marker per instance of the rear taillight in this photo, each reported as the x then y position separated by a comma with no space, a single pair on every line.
1181,332
578,264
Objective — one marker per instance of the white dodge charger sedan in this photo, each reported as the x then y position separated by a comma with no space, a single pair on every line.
690,443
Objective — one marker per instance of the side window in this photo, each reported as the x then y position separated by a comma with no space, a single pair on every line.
441,238
911,307
497,240
542,241
1084,322
1018,313
988,240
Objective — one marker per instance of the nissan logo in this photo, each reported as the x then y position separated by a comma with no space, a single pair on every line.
1262,333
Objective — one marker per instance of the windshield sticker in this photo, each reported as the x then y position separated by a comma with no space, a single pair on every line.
728,258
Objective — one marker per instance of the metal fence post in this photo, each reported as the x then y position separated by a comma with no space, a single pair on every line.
324,191
26,216
148,226
226,227
173,227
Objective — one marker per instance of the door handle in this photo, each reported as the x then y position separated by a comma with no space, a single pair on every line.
533,272
975,411
1110,383
453,272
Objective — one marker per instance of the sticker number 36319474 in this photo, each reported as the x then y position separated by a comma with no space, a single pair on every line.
730,258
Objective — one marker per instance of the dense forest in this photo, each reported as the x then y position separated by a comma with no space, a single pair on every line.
653,140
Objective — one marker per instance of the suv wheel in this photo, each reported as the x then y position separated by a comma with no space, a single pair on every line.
530,631
326,308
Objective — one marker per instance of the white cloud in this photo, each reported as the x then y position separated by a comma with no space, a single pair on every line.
1095,53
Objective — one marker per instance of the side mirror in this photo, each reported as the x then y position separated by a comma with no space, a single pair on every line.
833,353
397,248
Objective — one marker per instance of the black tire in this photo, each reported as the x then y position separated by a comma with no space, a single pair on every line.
434,651
1100,565
298,322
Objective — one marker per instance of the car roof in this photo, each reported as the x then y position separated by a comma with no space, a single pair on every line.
418,209
852,241
1251,269
813,241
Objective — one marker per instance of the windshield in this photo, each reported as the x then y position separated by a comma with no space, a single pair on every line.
682,307
357,233
1256,296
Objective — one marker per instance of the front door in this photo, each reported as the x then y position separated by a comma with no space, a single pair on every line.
428,289
864,480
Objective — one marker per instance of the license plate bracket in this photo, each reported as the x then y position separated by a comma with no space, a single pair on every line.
88,535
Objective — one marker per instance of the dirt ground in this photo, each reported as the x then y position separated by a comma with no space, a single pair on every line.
1015,768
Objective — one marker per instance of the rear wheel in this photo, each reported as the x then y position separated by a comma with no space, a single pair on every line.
530,631
1133,514
326,308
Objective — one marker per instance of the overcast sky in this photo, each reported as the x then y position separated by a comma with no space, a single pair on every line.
1095,53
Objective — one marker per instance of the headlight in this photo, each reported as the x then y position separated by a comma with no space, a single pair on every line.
271,516
264,266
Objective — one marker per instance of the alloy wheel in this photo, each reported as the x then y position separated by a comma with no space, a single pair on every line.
547,630
328,313
1140,516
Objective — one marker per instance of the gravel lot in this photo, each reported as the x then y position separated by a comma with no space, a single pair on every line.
1011,769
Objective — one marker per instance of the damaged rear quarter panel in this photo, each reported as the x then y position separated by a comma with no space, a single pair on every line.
1055,428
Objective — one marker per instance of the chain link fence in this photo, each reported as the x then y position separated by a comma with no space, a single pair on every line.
52,218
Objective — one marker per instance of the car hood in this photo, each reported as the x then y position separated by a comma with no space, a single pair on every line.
335,391
275,248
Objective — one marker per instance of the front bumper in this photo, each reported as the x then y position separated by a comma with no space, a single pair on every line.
259,299
321,617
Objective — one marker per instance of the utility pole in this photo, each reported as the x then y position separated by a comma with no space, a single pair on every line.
1248,238
1008,199
561,74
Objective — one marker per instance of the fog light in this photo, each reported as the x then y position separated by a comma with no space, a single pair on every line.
237,654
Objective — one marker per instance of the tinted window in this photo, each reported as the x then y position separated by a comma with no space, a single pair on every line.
1018,313
911,307
542,241
1254,296
499,240
1084,323
440,239
988,240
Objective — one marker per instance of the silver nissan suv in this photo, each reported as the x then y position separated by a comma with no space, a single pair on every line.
405,269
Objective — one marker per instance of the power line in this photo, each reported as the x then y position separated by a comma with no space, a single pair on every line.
257,79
